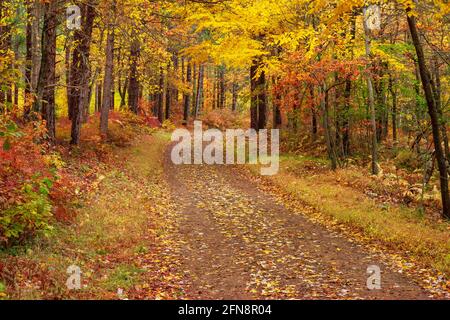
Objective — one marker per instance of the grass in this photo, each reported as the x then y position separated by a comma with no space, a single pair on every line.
113,234
124,276
396,227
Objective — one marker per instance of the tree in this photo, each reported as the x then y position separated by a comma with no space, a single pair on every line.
432,110
108,81
45,91
133,84
80,70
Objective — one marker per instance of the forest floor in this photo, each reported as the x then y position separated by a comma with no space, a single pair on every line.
153,230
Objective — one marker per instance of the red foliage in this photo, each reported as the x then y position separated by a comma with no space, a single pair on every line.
293,89
21,162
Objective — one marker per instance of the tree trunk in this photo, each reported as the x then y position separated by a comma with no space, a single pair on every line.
98,96
432,110
194,87
161,96
68,50
80,73
45,102
326,124
221,87
234,93
29,54
133,86
199,97
374,147
108,81
348,92
187,96
258,97
168,95
393,91
438,97
277,120
214,93
123,92
314,126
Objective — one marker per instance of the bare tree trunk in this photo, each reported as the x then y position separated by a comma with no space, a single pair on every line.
221,87
393,91
432,110
194,88
187,96
98,96
348,92
214,93
123,92
199,97
258,108
29,54
262,102
314,126
374,147
168,96
36,39
438,95
161,96
108,81
277,120
45,102
80,73
133,86
234,93
2,47
326,124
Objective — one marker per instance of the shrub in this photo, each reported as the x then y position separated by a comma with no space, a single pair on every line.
29,217
26,179
168,125
222,119
407,159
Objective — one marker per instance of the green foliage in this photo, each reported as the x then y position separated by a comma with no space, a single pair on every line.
31,216
8,131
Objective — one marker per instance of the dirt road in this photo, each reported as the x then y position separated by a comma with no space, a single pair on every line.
241,243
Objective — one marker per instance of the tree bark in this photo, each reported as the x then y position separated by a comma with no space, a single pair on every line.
133,86
187,96
234,93
199,97
258,108
221,87
326,124
45,102
168,94
433,112
374,147
108,81
29,54
80,72
393,91
161,96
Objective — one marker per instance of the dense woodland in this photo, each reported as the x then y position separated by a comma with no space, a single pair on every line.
337,87
91,90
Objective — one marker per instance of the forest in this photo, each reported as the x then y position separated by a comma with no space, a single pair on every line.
91,91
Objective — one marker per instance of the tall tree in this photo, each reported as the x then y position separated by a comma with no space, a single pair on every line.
432,110
45,91
80,69
258,96
374,147
187,96
133,84
108,79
